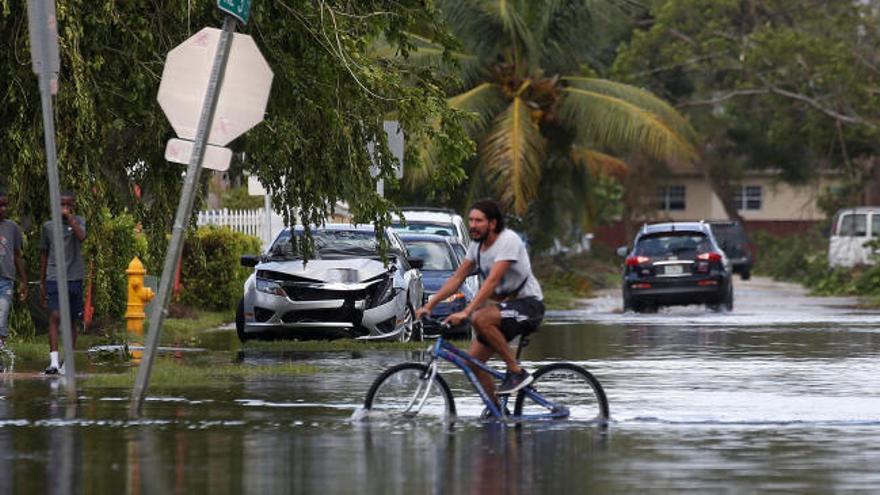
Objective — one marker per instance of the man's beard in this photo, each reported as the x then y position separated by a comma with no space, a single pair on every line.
479,238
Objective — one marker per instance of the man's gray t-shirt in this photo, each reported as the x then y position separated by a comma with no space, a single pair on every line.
72,250
508,247
10,242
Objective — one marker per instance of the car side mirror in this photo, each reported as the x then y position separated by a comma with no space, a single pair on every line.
416,263
622,251
250,260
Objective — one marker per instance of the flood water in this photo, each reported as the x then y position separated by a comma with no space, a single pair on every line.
780,395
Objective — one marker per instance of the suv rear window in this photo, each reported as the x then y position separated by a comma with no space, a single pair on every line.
673,244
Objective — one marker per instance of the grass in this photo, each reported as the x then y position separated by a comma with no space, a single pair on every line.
168,373
187,329
565,279
343,345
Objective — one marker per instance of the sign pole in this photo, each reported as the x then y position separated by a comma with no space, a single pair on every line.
44,33
184,210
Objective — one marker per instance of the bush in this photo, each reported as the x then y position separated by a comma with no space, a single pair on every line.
804,259
212,275
111,244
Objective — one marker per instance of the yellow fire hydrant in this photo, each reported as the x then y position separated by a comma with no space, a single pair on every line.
138,297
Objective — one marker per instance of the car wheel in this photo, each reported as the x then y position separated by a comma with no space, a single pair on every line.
728,300
409,324
239,322
627,303
745,274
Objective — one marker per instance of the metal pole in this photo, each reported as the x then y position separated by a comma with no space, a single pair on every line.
184,210
55,206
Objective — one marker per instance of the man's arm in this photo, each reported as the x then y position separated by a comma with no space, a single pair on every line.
451,285
22,275
78,230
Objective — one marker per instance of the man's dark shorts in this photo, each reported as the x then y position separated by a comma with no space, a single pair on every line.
519,317
74,293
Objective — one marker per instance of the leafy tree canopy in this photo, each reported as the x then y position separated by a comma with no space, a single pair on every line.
790,85
330,95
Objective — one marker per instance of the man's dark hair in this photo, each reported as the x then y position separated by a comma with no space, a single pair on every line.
492,210
67,194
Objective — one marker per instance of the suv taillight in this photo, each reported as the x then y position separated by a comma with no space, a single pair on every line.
710,257
636,260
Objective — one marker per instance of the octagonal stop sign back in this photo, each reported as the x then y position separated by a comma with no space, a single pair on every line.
243,93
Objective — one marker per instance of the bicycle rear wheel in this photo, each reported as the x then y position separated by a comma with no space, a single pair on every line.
405,390
565,385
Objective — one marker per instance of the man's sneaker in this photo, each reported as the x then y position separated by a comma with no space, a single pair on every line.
514,381
61,370
51,370
487,414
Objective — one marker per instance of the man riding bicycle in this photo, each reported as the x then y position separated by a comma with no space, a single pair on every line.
509,302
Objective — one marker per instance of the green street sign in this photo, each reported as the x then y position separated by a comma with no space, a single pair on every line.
240,9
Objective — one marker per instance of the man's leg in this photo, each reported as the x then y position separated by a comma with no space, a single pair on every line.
54,317
53,331
487,323
5,309
482,352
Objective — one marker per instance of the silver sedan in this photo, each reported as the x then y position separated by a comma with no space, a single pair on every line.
346,290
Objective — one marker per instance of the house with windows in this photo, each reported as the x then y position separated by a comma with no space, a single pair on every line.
763,201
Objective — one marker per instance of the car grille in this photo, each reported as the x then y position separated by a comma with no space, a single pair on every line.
302,293
344,314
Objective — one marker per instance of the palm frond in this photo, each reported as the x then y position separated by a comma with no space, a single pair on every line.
485,100
599,163
637,96
511,156
608,121
475,27
427,53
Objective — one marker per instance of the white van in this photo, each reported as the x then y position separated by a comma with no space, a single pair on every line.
428,220
851,230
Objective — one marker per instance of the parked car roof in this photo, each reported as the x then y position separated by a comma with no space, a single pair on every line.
674,227
426,237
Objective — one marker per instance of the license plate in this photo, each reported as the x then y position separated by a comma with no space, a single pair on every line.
673,270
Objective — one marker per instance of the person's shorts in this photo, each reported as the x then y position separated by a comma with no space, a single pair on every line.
74,294
519,317
6,286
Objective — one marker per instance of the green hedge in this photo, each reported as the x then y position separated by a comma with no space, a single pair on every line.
804,259
212,275
110,247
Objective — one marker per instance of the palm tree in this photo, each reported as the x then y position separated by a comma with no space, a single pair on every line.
520,65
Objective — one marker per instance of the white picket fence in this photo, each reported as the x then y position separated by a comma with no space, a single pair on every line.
251,222
256,222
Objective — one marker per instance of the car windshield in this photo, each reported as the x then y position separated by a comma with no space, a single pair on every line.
686,244
424,228
328,243
436,256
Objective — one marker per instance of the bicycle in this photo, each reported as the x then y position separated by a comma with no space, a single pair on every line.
559,390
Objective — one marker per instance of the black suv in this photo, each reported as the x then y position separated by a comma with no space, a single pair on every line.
736,245
676,264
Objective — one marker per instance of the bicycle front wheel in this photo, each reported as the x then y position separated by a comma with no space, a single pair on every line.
564,385
406,390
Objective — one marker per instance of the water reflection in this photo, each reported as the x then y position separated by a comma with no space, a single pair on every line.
701,402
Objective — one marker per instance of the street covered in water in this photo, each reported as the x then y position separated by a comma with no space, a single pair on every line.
780,395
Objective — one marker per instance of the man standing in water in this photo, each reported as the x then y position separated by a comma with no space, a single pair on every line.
74,228
509,302
11,263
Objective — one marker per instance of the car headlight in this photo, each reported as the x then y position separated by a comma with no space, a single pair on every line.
270,287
